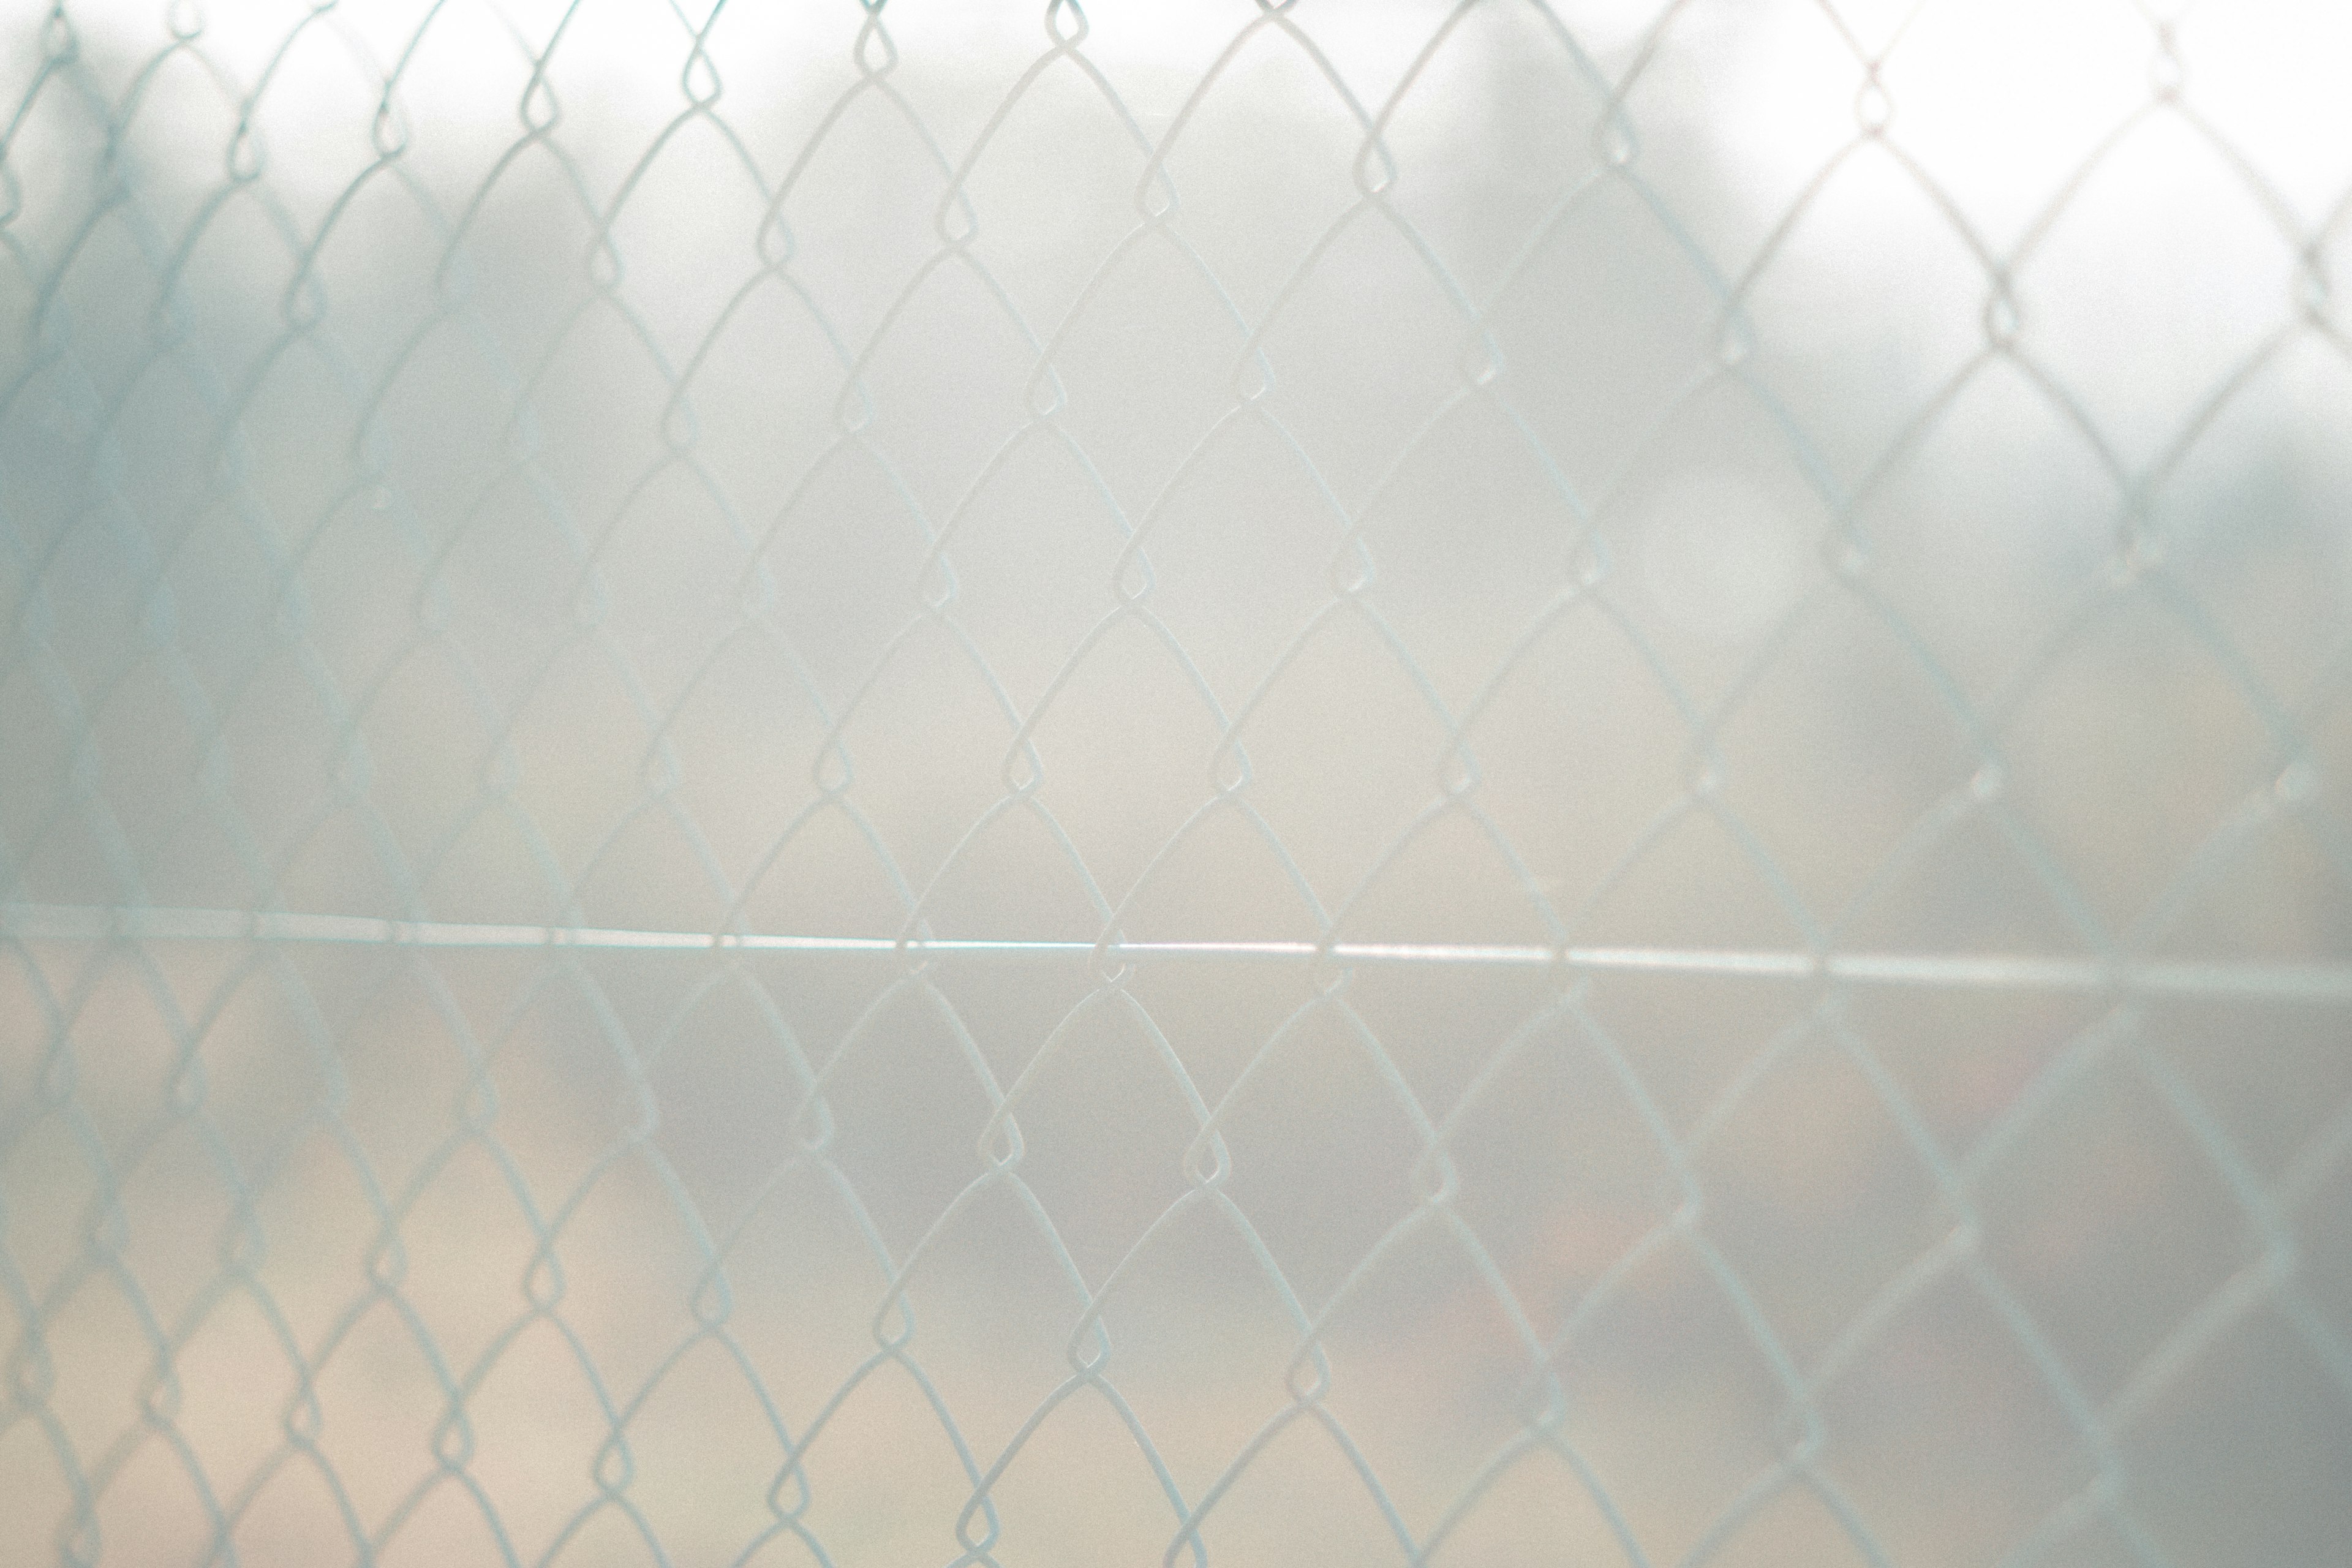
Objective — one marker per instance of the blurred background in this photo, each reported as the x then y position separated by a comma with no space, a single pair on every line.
1829,520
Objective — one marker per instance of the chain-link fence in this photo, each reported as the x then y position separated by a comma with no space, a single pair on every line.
1366,783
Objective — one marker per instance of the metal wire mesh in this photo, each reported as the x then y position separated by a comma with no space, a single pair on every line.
1271,782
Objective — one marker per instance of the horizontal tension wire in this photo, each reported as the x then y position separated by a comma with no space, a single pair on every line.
2292,982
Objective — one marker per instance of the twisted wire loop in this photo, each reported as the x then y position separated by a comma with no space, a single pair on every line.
545,773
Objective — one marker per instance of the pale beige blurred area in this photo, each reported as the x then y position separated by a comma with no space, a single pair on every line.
1829,518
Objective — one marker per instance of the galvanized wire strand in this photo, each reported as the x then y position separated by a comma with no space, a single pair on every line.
2317,984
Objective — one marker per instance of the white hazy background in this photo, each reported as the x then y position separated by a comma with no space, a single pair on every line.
1667,492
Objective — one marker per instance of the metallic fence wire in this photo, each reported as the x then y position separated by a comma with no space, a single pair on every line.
479,989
